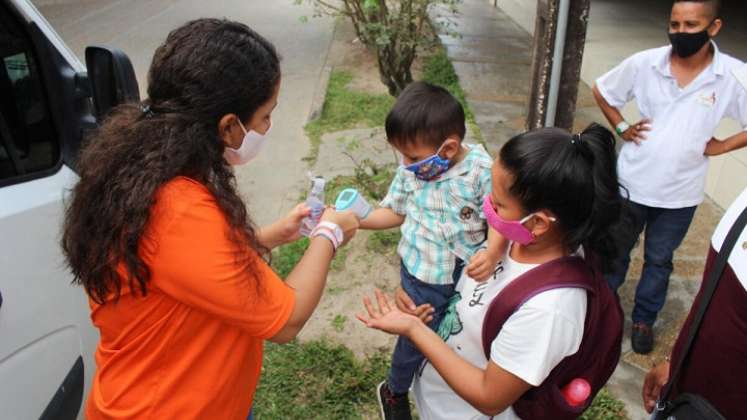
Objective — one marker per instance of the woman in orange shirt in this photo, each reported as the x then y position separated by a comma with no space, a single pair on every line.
160,239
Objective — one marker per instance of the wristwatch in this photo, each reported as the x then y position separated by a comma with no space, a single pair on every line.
622,127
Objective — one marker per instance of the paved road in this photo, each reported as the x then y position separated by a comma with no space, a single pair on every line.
270,184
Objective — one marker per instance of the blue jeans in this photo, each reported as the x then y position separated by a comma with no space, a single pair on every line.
665,230
406,357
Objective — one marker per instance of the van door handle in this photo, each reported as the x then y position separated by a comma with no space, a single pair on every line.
1,299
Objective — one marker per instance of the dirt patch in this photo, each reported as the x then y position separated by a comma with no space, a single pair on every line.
363,268
357,275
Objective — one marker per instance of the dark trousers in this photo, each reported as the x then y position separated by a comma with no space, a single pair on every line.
665,230
406,357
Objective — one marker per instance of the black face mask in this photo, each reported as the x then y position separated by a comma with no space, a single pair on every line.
686,44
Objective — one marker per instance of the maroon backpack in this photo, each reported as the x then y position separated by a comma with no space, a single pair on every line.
599,351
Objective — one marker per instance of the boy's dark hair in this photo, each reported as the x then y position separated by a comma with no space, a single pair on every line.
714,5
424,113
573,176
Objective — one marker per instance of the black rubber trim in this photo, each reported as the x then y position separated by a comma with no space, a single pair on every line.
69,396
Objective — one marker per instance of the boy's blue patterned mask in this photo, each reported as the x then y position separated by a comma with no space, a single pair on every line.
430,167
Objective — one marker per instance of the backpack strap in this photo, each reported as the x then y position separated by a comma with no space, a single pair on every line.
563,272
708,290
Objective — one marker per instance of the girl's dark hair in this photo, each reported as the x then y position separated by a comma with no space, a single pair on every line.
204,70
574,177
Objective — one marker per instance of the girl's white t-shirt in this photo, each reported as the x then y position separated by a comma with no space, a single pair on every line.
534,339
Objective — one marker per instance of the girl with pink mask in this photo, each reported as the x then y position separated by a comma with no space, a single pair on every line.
556,198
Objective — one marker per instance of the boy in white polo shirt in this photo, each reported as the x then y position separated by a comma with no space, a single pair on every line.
682,92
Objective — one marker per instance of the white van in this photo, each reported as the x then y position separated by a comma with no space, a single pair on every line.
47,103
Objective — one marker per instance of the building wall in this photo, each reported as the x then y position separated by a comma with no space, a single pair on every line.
618,29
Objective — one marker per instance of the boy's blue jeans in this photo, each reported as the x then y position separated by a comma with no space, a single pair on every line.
406,357
665,230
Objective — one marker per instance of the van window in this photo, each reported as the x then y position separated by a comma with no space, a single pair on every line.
29,145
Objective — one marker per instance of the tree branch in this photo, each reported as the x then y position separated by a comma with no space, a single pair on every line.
324,5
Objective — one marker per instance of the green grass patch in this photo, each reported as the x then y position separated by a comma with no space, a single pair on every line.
370,180
605,407
439,70
345,109
334,186
384,241
338,323
323,380
318,380
335,290
286,257
338,262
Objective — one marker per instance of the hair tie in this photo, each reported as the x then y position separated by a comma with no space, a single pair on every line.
145,109
576,138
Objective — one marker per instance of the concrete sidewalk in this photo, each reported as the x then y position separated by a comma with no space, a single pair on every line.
492,59
270,184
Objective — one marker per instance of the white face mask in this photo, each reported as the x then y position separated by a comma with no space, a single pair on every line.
250,146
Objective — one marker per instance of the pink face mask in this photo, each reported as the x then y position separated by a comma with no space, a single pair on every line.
513,230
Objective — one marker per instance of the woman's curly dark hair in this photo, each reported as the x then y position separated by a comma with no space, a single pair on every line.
206,69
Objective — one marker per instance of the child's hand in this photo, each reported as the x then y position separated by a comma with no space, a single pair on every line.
386,317
405,304
482,265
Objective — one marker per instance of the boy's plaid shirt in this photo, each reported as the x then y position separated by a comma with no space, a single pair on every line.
443,217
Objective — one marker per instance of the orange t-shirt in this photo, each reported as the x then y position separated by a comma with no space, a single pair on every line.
192,347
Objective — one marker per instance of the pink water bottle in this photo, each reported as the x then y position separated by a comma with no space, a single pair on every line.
576,392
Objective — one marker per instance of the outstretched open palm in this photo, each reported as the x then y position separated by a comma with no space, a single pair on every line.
386,317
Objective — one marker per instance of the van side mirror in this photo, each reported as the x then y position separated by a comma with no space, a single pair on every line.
112,78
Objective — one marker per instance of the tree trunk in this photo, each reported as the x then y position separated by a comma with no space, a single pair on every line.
394,59
394,69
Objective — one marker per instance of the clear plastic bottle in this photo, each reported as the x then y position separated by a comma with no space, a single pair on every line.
316,202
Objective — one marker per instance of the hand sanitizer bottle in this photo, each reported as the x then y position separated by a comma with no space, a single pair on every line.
316,202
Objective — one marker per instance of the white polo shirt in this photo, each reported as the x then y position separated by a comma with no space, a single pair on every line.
668,169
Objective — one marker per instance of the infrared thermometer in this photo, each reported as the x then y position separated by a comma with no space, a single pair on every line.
351,199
